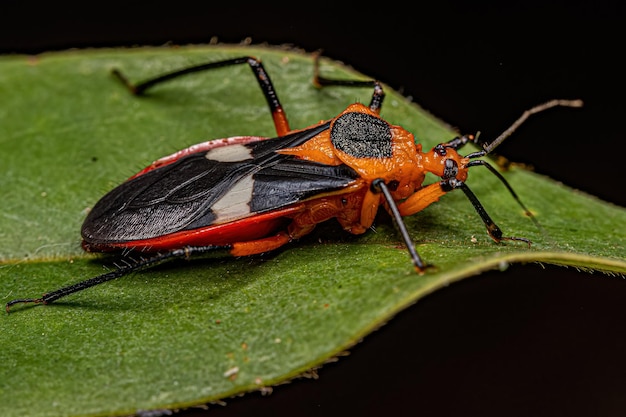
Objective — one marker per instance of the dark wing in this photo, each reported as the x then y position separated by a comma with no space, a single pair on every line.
215,187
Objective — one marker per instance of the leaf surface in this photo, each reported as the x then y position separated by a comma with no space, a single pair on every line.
191,332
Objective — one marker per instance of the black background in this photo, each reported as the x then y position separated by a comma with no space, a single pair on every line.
532,341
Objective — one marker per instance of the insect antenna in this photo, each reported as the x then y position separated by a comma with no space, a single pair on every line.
488,147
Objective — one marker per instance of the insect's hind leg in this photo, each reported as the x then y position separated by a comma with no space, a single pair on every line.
377,96
278,114
129,265
137,263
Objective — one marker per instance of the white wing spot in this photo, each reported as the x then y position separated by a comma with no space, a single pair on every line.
229,153
235,203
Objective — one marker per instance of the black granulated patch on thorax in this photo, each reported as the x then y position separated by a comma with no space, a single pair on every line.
362,135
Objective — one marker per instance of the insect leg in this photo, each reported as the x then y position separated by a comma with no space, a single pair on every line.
458,142
128,267
419,265
278,114
254,247
421,199
377,96
492,229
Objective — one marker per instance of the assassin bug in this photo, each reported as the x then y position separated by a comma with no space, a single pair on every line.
249,195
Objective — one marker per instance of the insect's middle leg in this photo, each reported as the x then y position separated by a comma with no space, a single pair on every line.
377,96
254,247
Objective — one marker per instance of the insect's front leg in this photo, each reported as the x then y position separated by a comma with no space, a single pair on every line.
421,199
458,142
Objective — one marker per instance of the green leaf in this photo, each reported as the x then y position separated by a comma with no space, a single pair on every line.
187,333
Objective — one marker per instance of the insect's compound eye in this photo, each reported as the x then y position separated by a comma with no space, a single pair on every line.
393,185
362,135
451,169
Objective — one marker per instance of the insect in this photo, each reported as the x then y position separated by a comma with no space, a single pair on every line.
248,195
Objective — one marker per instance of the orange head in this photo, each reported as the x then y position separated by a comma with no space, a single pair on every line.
445,162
